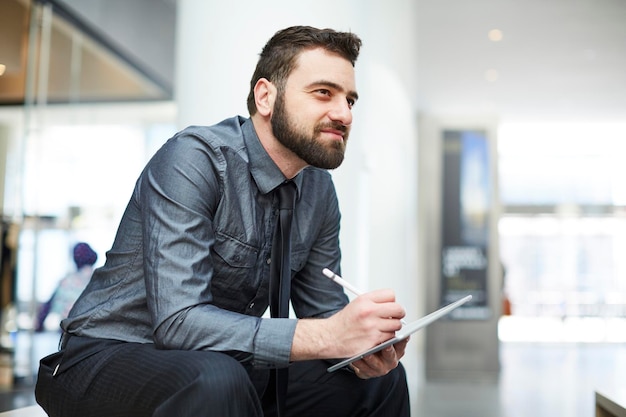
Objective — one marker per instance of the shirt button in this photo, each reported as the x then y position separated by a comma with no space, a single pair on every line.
269,261
251,305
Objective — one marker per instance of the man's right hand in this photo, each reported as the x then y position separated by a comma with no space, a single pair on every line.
368,320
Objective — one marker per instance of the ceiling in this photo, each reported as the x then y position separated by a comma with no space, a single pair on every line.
557,59
83,62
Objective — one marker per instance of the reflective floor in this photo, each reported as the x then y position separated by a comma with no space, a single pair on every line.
537,379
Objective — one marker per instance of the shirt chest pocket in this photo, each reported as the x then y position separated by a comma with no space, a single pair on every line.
235,274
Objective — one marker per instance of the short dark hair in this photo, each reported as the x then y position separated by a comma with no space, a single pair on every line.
84,255
278,57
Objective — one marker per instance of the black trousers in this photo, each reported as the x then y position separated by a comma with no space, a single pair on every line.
134,380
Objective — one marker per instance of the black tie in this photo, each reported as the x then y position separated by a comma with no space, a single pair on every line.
280,276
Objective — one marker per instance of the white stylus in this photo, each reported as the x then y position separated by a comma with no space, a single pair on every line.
330,274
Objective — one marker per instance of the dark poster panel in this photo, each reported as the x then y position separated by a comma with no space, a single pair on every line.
465,228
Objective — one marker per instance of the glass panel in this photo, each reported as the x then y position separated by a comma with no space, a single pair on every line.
78,180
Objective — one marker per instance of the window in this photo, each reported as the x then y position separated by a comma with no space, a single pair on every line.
563,190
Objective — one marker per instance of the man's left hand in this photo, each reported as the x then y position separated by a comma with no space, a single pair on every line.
380,363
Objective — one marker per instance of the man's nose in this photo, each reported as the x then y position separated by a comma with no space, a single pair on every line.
341,112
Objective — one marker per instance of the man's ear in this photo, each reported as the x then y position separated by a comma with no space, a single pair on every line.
264,96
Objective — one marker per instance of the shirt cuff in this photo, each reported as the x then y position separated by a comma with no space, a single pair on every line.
272,344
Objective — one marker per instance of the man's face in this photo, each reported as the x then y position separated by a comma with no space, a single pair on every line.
312,117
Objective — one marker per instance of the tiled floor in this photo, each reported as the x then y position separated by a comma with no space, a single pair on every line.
537,380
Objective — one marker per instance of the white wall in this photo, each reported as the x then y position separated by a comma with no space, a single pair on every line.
218,46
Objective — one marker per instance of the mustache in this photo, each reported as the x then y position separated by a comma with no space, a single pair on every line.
332,125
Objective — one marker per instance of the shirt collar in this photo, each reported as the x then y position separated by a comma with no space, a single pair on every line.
265,172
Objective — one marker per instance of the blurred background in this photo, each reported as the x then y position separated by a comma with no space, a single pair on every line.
487,158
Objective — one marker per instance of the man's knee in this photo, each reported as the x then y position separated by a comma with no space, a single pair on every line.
216,383
394,393
398,375
224,378
386,395
314,391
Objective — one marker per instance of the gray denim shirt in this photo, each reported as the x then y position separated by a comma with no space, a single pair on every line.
189,266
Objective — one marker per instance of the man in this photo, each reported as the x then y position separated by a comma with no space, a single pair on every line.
171,325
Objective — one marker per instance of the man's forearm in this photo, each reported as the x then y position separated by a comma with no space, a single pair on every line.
313,339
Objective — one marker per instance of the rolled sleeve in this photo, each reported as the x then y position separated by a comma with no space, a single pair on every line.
272,344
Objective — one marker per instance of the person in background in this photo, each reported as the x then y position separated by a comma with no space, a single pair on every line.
69,287
172,324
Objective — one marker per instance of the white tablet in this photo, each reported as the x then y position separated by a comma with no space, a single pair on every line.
404,332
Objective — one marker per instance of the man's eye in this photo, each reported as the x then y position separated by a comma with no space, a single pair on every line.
324,92
351,102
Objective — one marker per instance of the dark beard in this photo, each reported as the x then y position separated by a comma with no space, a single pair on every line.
307,147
